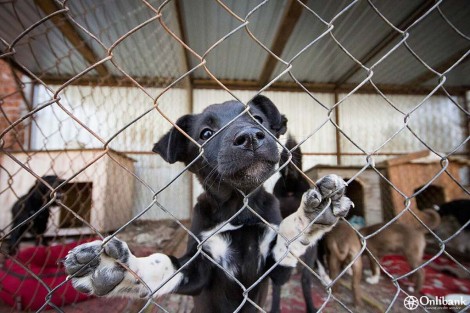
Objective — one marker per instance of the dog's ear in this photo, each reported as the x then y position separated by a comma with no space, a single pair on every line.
296,158
173,145
277,120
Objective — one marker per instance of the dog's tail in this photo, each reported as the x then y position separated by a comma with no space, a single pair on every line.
431,218
296,157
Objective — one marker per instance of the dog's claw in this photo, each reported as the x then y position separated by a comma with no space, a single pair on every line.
342,208
332,186
117,249
312,199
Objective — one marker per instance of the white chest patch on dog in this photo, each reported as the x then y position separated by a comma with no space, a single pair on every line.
217,245
265,243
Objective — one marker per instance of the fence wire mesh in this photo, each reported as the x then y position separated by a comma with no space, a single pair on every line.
88,87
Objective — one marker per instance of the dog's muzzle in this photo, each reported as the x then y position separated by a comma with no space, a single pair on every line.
248,157
249,139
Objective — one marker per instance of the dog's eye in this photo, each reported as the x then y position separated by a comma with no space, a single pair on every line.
206,134
258,118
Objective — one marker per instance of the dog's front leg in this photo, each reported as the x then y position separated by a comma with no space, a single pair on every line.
325,204
103,272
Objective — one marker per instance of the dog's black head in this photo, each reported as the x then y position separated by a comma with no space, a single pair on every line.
290,170
43,191
242,155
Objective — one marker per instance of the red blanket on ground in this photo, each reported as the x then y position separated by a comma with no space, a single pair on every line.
24,284
438,282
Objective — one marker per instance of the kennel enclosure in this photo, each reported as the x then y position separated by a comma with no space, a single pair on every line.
87,87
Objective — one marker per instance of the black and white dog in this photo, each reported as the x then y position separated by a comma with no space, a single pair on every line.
458,209
234,247
454,215
290,187
289,190
28,205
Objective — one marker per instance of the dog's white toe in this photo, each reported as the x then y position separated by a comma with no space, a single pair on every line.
373,280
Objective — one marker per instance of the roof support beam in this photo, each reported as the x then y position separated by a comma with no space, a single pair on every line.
253,85
337,132
326,87
441,67
184,38
389,38
68,30
113,81
291,16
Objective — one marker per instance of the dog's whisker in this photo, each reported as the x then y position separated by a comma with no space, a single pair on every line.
220,180
207,180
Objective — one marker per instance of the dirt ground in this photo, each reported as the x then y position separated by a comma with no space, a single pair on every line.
168,237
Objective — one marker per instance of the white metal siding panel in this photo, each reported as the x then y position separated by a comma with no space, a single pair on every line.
106,110
370,121
176,199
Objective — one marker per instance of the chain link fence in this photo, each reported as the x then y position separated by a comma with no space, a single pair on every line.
89,86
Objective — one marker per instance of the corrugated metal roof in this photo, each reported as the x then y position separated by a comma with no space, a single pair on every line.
206,22
361,28
434,41
148,52
152,52
44,50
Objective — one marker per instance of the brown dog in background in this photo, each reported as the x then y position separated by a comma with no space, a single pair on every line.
402,239
342,246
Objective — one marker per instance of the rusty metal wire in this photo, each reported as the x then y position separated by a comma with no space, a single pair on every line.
105,136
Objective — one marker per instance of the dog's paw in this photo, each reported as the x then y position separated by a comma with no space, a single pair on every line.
328,192
96,271
373,280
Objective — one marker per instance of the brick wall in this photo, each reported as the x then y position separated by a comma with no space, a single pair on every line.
12,108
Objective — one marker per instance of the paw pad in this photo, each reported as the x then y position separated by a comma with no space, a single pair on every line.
95,268
104,280
312,198
332,186
328,193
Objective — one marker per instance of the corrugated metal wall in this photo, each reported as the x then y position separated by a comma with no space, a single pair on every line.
367,119
370,121
107,110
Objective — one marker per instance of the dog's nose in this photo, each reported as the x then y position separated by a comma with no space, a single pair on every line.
250,139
